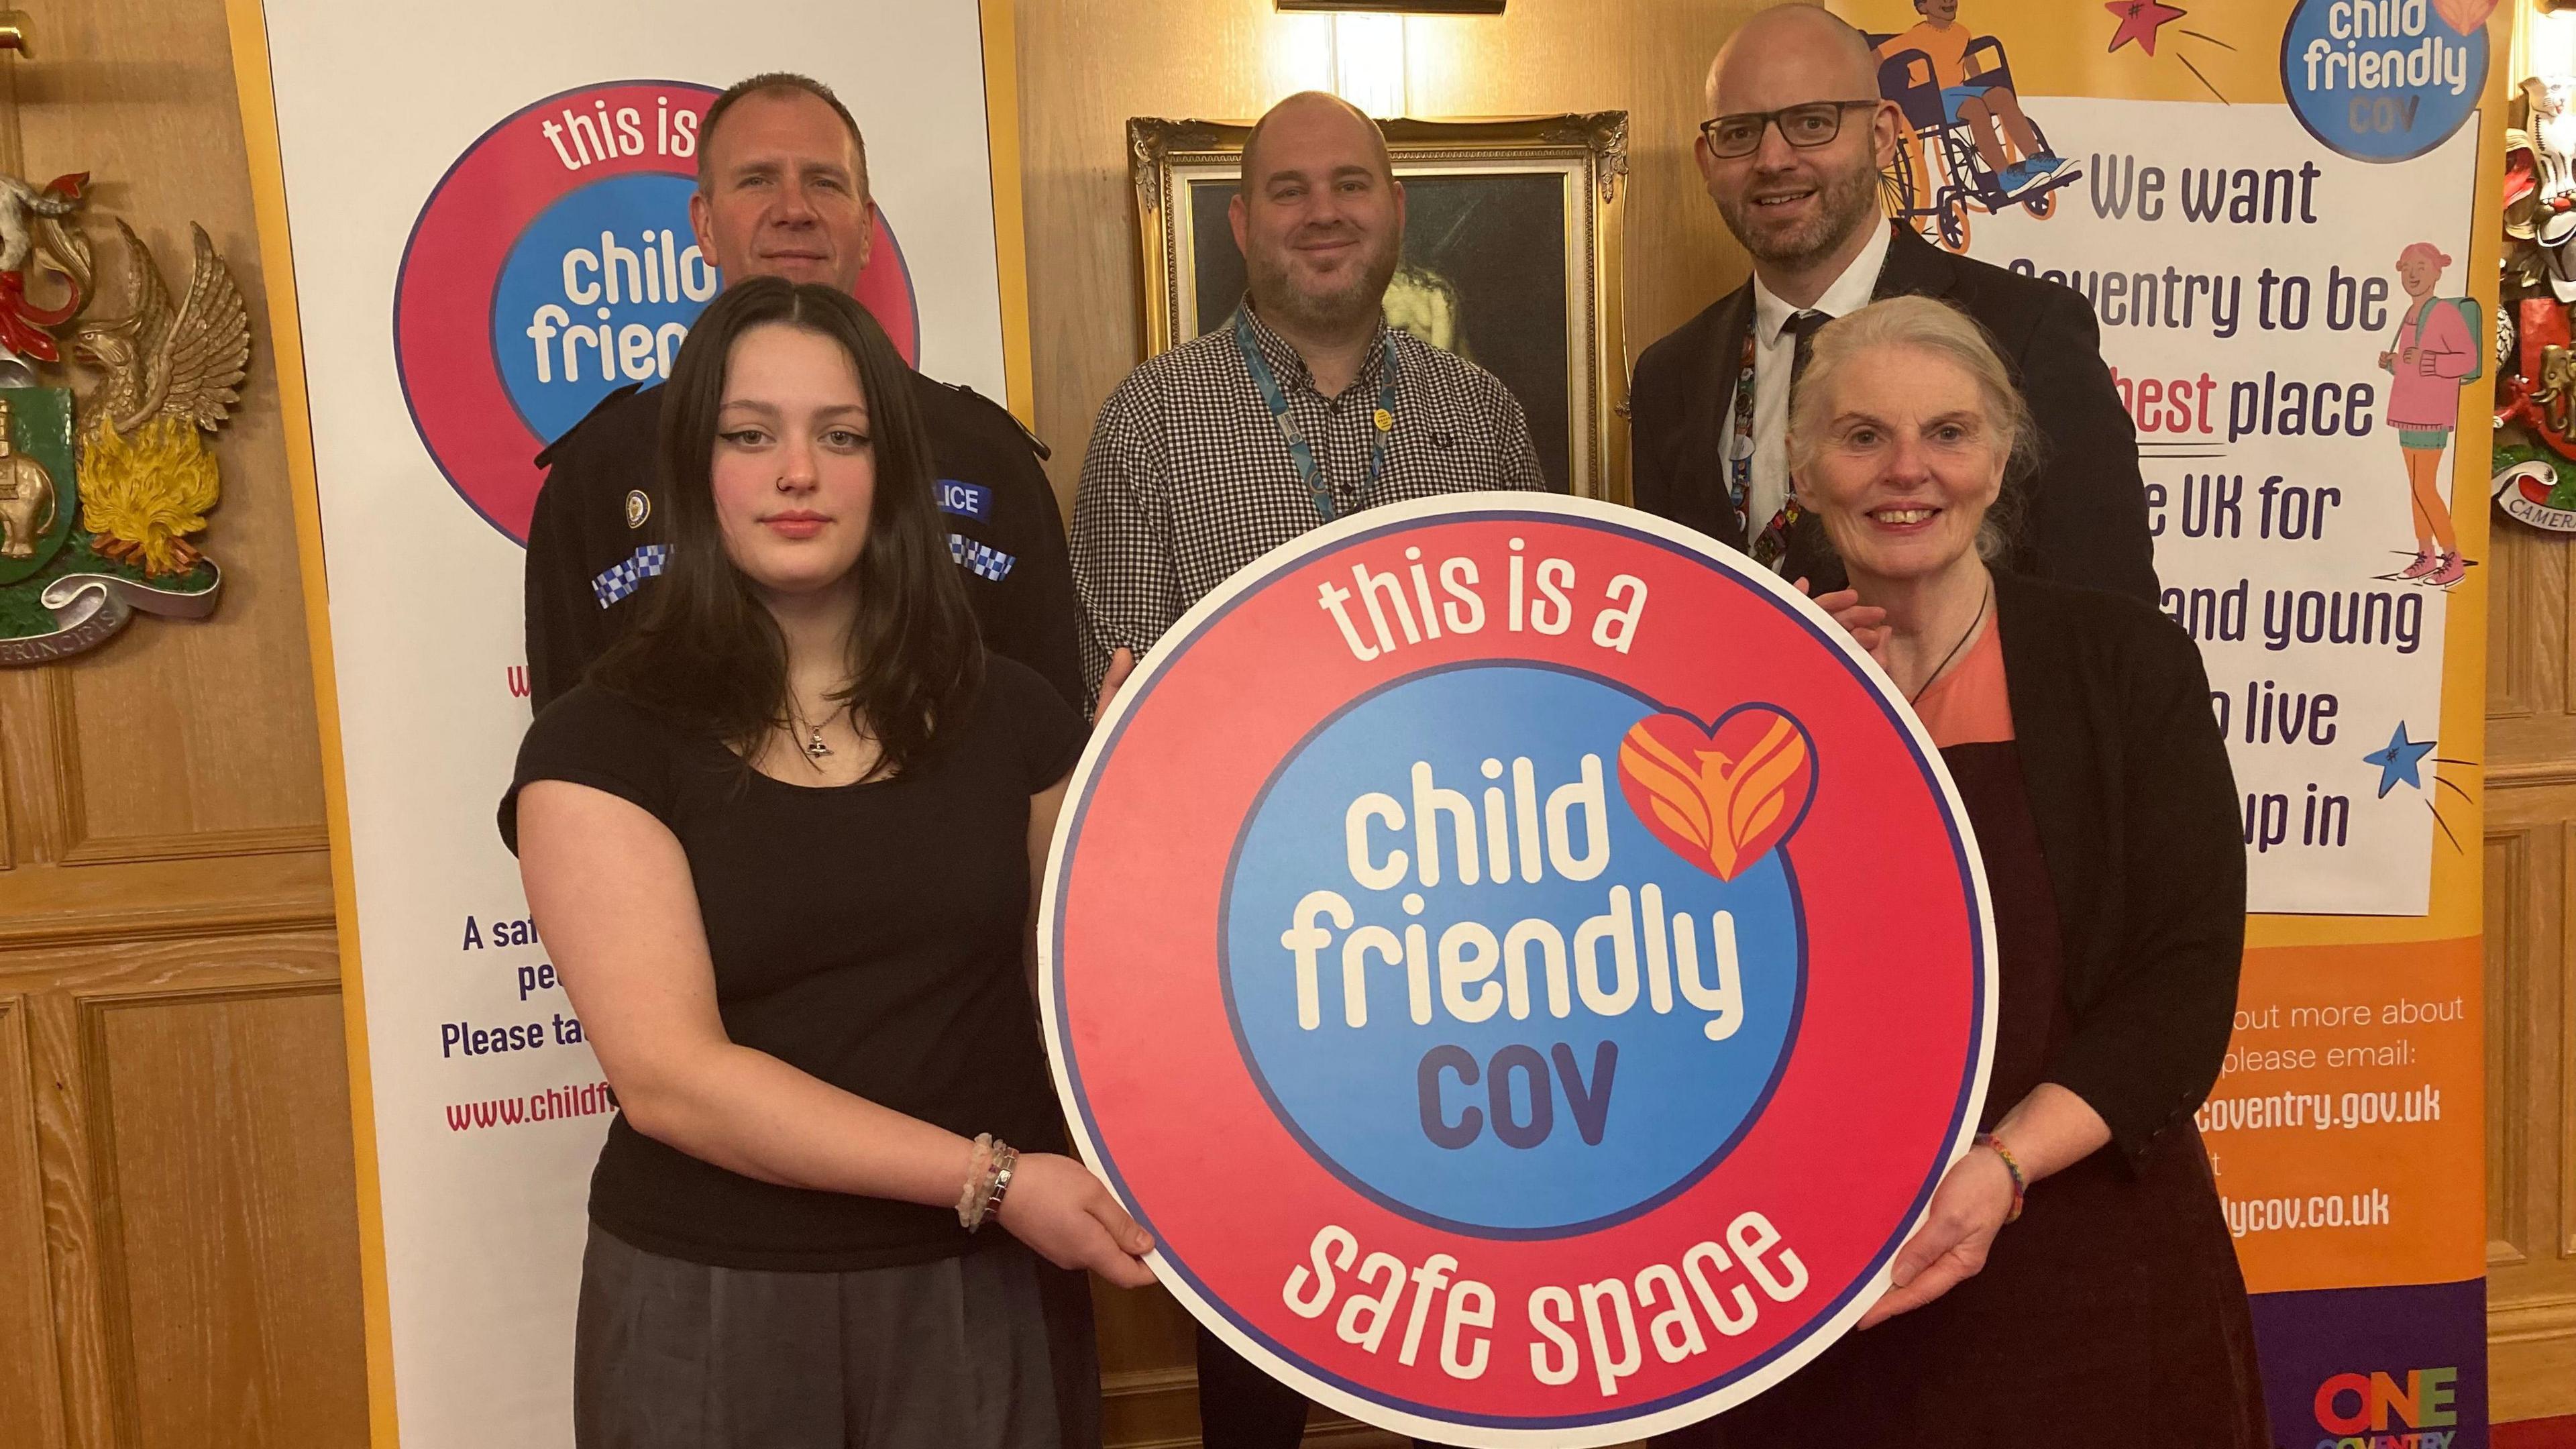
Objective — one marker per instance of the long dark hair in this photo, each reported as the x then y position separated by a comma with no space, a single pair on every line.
706,650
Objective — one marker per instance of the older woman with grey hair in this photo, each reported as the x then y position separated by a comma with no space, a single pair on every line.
2074,1281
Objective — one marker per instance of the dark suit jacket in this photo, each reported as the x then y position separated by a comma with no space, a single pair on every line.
2139,822
2086,519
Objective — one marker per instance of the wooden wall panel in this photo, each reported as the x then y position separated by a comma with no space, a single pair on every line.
31,1399
177,738
225,1149
2520,911
2531,975
190,1119
2528,646
178,1259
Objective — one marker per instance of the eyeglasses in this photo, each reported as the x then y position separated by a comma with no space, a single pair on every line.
1815,123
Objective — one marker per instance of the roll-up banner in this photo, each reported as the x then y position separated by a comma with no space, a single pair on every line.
2283,213
488,212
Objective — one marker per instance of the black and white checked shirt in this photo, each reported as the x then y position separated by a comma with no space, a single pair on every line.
1188,479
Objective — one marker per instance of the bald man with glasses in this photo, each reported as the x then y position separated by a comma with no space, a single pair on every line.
1792,154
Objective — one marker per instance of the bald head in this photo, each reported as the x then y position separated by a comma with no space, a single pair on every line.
1802,207
1787,55
1319,217
1322,116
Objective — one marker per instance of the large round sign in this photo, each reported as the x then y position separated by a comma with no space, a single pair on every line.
552,265
1527,970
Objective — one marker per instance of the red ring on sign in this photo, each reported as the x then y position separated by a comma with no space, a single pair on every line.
1882,1083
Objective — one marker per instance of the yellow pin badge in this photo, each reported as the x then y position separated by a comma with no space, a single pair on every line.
1384,420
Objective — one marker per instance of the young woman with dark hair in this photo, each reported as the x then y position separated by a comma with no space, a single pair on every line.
781,846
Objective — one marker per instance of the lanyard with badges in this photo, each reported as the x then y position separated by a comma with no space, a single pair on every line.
1309,471
1772,542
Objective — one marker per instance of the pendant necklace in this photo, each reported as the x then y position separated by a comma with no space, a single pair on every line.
814,749
1935,676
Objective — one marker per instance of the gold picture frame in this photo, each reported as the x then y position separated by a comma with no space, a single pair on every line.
1489,203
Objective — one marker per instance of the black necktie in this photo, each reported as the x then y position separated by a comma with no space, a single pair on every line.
1803,326
1769,544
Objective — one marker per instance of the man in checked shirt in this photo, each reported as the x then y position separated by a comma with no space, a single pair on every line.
1302,407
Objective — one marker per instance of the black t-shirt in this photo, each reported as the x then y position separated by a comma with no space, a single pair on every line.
597,543
869,935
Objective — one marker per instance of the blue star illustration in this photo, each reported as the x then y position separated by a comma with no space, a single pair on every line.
2397,762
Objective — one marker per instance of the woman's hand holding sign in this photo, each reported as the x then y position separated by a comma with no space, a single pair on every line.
2050,1130
1062,1212
1968,1209
1865,623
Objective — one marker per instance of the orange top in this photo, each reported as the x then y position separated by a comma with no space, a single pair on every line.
1947,45
1969,705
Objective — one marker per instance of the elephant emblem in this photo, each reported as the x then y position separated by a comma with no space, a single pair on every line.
27,498
2555,393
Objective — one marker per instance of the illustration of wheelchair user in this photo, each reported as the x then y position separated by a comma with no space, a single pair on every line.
1966,122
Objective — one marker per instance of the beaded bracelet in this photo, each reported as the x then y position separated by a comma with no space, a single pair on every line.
979,1169
1006,1160
988,1176
2021,1184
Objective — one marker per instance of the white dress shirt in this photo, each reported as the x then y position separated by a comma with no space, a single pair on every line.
1774,351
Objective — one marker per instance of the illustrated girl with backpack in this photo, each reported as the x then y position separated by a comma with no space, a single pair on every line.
2434,353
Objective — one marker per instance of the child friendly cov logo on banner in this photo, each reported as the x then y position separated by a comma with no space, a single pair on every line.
1526,968
2385,80
552,265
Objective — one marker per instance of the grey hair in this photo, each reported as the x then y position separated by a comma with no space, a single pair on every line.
1927,325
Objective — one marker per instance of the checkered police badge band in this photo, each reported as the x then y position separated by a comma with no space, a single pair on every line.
980,559
630,574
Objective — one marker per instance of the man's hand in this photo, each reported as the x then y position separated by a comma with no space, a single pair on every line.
1122,663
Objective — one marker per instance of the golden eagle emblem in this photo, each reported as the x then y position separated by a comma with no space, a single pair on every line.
170,374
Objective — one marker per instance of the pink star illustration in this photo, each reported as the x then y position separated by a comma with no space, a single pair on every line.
2139,21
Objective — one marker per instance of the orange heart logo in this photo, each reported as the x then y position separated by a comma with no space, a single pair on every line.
2465,16
1721,797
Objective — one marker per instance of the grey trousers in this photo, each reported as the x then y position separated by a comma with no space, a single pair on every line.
993,1350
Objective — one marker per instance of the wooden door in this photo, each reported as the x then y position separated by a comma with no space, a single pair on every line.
178,1231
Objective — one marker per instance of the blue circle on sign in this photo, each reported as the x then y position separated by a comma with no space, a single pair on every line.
1479,1050
597,294
2390,94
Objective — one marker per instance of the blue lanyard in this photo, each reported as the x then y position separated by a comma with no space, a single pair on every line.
1309,471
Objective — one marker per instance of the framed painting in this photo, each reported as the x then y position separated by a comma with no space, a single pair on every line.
1511,259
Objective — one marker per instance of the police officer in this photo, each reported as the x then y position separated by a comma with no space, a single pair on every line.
783,191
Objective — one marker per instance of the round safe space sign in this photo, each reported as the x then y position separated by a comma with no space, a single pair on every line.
1526,969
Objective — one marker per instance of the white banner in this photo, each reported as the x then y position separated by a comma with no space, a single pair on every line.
488,212
2246,282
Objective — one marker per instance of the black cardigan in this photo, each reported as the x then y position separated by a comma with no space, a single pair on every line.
2142,829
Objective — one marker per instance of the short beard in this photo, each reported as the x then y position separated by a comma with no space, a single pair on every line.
1849,201
1278,300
